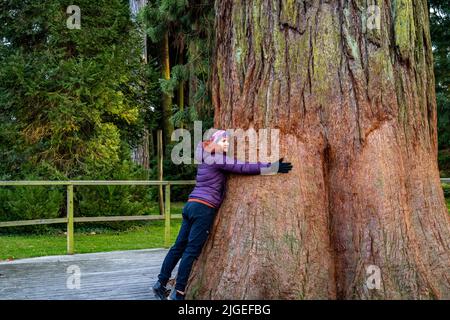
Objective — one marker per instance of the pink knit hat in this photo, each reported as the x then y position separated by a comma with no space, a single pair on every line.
209,145
219,134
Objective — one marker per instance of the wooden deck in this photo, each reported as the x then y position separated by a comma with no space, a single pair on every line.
124,275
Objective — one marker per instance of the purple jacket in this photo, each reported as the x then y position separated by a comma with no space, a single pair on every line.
211,170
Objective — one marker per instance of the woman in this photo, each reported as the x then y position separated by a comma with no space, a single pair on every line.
203,203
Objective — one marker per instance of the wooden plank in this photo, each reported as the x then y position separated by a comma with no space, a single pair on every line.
160,158
124,218
118,218
84,219
32,222
112,182
125,275
181,182
167,218
34,183
70,239
118,182
96,182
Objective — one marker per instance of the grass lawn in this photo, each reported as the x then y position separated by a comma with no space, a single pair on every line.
89,238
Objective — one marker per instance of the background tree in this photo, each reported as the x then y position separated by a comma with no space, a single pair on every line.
73,96
73,103
189,26
356,110
440,35
162,19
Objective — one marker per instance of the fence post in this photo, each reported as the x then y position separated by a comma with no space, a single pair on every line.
160,156
70,240
167,217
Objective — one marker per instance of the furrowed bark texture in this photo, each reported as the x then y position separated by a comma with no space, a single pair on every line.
356,110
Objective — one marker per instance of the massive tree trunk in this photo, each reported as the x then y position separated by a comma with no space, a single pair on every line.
355,106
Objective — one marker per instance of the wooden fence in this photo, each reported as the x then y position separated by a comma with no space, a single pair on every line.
70,219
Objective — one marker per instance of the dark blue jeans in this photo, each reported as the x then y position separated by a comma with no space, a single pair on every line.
197,221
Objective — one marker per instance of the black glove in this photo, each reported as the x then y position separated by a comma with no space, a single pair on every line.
283,167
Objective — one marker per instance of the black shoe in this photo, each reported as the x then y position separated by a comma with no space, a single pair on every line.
161,292
175,295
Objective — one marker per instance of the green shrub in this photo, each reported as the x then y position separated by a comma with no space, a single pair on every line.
444,163
30,202
173,172
446,187
114,200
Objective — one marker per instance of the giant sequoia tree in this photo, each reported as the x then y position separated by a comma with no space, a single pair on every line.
356,110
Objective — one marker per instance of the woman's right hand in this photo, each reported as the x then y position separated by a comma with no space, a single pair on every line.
283,167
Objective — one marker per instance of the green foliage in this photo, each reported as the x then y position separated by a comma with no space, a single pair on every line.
72,105
30,202
446,188
443,105
66,95
178,73
114,200
184,116
190,25
191,29
440,35
444,162
173,172
162,13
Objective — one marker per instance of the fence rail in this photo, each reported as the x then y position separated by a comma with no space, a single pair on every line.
70,219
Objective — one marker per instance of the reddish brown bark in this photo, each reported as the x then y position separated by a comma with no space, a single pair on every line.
357,117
